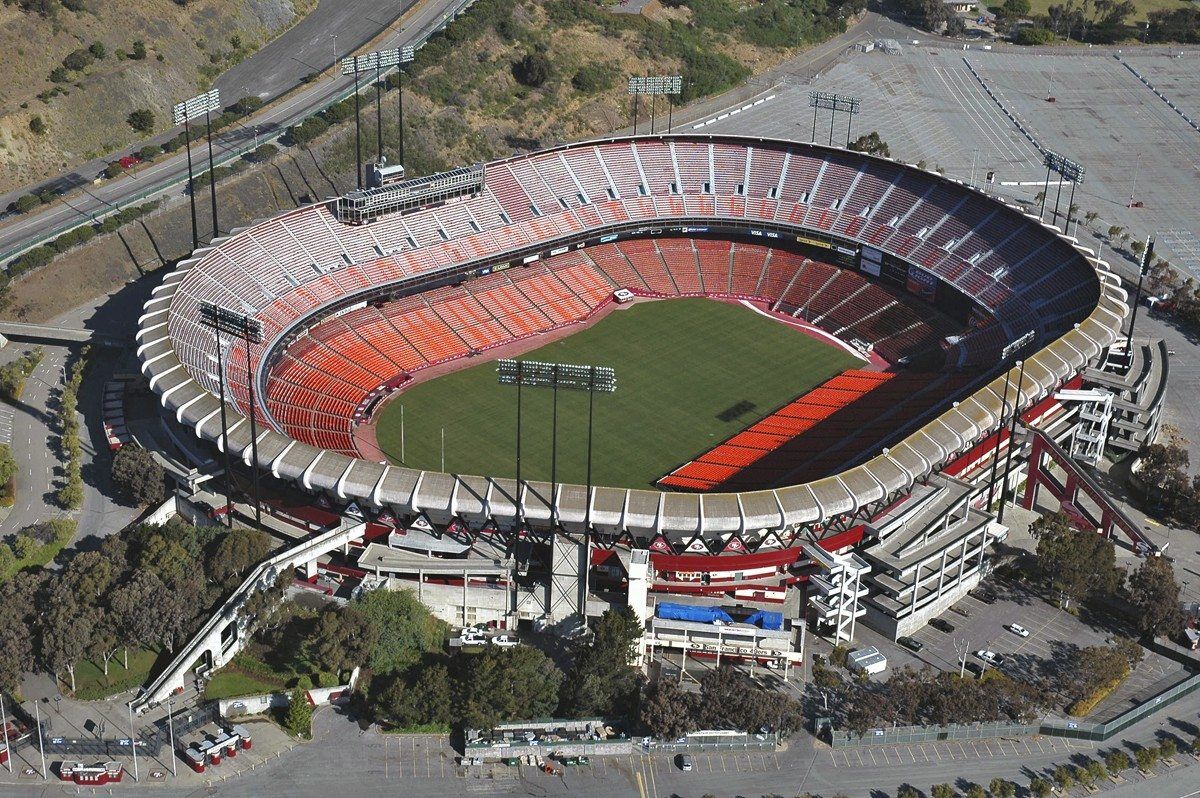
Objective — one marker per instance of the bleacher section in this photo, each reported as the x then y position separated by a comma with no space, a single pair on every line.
819,432
325,376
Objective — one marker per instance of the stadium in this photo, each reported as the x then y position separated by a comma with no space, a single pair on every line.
351,312
808,343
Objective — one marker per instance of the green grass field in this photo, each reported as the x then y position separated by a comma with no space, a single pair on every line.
690,372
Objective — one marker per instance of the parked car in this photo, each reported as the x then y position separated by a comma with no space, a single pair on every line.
942,625
1018,630
963,611
990,657
685,763
986,596
472,636
911,643
505,641
975,669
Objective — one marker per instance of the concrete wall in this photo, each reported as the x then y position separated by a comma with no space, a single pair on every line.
893,628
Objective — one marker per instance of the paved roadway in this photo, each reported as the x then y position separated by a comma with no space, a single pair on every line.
19,232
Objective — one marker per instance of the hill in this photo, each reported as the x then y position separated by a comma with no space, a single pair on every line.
74,70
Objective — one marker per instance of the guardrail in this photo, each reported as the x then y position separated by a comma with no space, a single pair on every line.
228,154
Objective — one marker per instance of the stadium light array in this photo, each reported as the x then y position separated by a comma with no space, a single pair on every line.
182,114
196,107
537,374
835,104
376,61
1066,169
654,86
250,330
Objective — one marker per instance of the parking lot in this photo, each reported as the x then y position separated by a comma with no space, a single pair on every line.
948,751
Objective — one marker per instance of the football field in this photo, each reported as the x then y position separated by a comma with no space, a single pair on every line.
690,372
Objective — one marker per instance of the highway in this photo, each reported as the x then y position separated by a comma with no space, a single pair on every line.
18,233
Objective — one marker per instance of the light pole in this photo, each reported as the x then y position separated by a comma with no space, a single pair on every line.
1147,254
652,86
37,713
182,114
1066,170
250,330
833,103
133,742
4,724
1012,440
171,735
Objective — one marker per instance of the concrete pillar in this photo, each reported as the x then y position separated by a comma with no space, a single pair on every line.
310,569
464,599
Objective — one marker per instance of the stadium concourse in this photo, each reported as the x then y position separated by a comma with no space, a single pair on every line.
944,286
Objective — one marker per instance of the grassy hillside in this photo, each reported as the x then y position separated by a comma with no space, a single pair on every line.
80,73
515,74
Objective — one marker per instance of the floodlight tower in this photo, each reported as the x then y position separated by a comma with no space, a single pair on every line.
1066,169
652,86
833,103
536,374
182,114
250,331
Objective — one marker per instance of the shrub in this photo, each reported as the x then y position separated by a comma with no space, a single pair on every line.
37,125
59,75
150,152
141,120
533,70
1034,35
98,50
78,60
308,130
139,50
26,202
593,78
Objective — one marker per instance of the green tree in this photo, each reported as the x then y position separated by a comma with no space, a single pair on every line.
139,50
1116,761
602,681
1039,787
871,144
65,634
908,791
666,710
298,719
137,476
1168,748
1154,594
78,60
421,695
98,50
1146,757
1016,9
942,791
1077,563
1096,770
141,120
342,639
37,125
405,627
235,554
975,791
505,684
1002,788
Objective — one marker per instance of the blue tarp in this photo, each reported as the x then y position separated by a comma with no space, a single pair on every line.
688,612
767,620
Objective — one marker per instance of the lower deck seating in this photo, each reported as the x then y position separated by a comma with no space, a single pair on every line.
323,378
